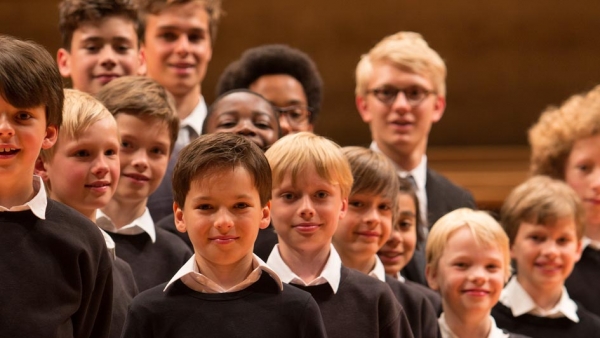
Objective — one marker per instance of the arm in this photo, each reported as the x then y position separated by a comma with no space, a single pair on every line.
311,325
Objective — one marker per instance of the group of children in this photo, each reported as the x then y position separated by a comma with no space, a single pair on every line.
287,236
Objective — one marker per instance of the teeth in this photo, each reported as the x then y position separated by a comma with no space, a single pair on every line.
6,150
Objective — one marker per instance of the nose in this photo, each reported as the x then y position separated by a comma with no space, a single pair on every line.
477,275
595,180
549,249
401,103
6,128
108,57
395,238
307,209
372,217
245,128
284,125
223,221
183,45
140,160
100,166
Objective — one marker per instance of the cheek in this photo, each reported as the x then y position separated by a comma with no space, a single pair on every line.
409,240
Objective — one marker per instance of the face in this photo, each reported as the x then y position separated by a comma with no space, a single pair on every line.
143,156
306,214
247,115
398,125
469,276
283,91
400,247
222,215
84,172
177,47
23,132
545,255
582,173
366,226
101,52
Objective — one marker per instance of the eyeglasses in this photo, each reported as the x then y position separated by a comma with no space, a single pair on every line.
296,115
414,95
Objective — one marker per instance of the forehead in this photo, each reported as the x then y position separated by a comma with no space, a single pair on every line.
109,28
406,202
586,147
386,73
280,89
237,102
562,225
462,242
187,16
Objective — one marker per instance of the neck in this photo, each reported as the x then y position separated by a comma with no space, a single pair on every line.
593,231
186,103
544,296
308,265
362,263
470,324
123,211
21,192
405,159
226,276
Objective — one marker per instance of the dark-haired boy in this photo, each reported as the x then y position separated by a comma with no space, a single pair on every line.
148,127
99,42
56,271
222,187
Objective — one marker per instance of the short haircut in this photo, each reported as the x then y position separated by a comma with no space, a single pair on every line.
80,111
293,154
144,98
408,52
558,128
541,200
29,78
485,229
215,153
273,60
154,7
74,13
407,188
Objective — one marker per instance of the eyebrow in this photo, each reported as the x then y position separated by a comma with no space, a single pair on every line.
208,197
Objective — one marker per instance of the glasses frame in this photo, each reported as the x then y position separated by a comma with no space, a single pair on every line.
284,111
377,91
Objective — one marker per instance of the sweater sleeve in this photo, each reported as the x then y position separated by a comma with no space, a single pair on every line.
136,324
312,324
392,319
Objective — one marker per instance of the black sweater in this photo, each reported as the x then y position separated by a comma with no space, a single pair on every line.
152,263
582,284
433,296
534,326
124,289
363,307
56,275
260,310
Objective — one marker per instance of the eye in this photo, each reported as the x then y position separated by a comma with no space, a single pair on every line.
23,116
121,49
158,151
81,153
537,238
111,152
415,93
563,240
584,168
405,224
385,207
356,204
241,205
227,124
204,207
263,125
168,36
126,145
492,267
288,196
460,265
321,194
386,94
92,48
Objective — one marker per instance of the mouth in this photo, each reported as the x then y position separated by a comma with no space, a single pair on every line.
595,201
227,239
368,233
306,227
548,267
390,254
476,292
106,78
98,186
137,177
8,151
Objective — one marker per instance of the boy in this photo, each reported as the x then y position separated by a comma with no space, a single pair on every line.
177,42
222,187
148,127
401,93
565,145
286,76
99,42
372,207
82,171
468,262
56,272
544,220
311,183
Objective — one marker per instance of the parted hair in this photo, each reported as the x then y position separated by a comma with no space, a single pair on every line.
154,7
144,98
293,154
29,78
214,153
407,51
558,128
541,200
74,13
485,229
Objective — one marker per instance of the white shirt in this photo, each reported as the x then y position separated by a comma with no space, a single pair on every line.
378,270
586,241
519,302
195,121
110,244
191,276
332,272
37,204
138,226
495,332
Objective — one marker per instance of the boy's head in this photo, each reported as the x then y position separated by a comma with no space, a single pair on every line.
82,169
372,204
285,76
100,42
403,77
311,183
177,38
245,113
222,188
468,261
148,127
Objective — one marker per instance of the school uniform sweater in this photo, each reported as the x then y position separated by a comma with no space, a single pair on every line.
433,296
124,290
260,310
56,275
582,284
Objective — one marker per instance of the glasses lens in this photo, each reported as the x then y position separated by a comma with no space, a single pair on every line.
386,95
296,115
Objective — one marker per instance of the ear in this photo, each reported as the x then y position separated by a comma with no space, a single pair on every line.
266,216
438,109
40,169
363,108
179,220
579,250
51,137
431,276
63,59
344,208
142,60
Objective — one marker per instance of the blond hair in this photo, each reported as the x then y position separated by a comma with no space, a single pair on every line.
484,228
407,51
292,154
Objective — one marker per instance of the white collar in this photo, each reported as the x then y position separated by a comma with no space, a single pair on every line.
37,204
419,173
331,272
586,241
495,332
190,272
196,117
139,225
519,302
110,244
378,270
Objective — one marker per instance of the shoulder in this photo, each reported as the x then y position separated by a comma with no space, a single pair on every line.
587,318
434,297
437,181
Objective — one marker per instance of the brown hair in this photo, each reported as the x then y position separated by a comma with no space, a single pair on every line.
29,78
212,153
407,188
141,97
541,200
74,13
